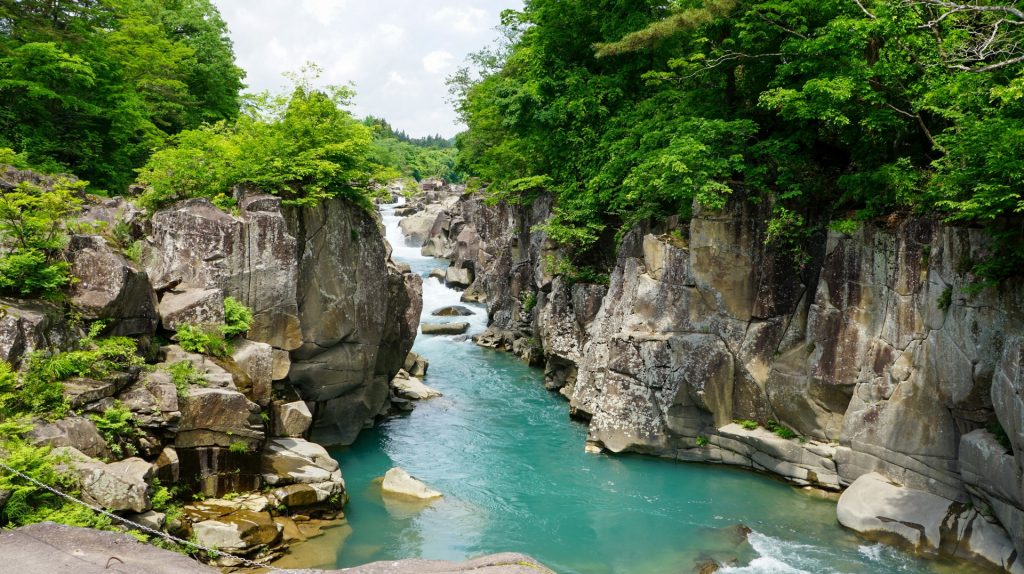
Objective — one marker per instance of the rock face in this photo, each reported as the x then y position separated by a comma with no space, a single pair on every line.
110,287
871,348
313,277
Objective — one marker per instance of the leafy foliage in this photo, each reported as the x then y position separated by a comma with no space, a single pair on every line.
237,318
92,86
185,375
118,428
633,110
303,147
32,238
419,159
199,340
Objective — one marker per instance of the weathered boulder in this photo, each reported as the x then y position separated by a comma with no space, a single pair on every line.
26,326
212,370
81,391
109,287
153,400
291,419
200,307
231,528
167,467
458,277
218,417
411,388
294,460
452,311
879,509
257,361
398,482
437,274
76,432
445,328
416,365
416,226
117,486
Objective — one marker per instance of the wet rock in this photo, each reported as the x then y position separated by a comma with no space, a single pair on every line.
111,288
879,509
445,328
192,307
452,311
411,388
398,482
77,432
215,471
437,274
291,419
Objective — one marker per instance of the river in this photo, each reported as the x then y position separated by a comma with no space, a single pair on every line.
516,478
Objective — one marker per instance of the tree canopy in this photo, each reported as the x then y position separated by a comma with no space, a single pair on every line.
92,86
841,109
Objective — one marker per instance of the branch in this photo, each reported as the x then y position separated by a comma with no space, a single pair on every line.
973,7
991,67
865,10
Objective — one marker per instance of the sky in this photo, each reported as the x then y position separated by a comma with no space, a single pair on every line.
396,52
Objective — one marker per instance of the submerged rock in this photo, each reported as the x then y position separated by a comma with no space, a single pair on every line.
398,482
452,311
411,388
445,328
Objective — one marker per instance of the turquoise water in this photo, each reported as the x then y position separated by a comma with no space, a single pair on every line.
516,478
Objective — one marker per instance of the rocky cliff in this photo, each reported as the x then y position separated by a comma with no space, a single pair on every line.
333,320
871,363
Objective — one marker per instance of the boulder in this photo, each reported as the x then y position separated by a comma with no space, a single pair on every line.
281,365
111,288
257,361
80,391
167,467
153,400
218,417
238,531
416,226
882,510
26,326
459,278
438,274
211,369
412,388
452,311
398,482
76,432
291,419
200,307
118,486
416,365
310,494
294,460
445,328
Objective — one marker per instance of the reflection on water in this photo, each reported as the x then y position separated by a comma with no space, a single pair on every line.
515,478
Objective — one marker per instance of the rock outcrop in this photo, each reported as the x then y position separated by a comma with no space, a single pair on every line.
871,347
313,277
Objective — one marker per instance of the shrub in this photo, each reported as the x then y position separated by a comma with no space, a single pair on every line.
117,426
32,238
781,431
238,447
746,423
185,375
529,302
197,340
702,441
237,318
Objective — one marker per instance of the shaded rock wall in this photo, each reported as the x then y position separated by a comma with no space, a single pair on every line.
874,350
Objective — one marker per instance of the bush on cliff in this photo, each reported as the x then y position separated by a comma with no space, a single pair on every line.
304,147
630,110
32,238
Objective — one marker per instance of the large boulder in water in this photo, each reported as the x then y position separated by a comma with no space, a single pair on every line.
398,482
445,328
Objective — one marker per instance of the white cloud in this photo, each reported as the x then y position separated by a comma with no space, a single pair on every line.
396,52
325,11
437,61
464,19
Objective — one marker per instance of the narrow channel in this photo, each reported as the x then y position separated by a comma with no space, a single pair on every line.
515,477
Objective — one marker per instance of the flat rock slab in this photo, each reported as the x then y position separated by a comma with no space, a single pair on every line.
445,328
49,548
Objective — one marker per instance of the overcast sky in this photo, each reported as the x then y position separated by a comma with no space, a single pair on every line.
397,52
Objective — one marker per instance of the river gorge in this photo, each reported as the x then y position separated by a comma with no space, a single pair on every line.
516,478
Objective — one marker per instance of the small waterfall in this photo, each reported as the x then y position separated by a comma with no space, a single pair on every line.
435,293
